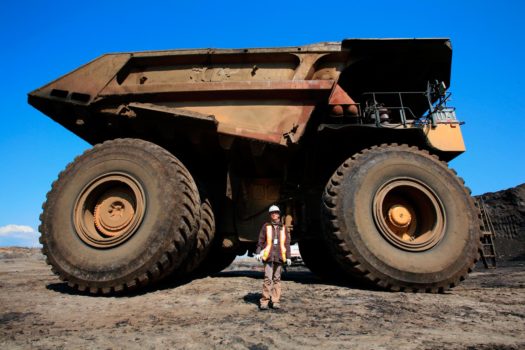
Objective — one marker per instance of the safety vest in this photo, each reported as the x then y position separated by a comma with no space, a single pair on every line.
269,244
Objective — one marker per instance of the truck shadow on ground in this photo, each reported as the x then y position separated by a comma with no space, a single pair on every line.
298,276
302,276
64,288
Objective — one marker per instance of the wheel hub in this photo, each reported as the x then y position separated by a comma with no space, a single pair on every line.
114,213
399,216
409,215
109,210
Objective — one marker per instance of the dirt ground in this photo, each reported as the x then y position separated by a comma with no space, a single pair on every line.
487,311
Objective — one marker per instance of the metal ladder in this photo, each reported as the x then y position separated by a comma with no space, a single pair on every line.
488,250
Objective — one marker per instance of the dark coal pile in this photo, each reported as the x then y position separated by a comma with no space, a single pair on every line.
506,209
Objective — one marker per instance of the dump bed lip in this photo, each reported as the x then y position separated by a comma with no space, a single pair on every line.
323,46
329,46
443,40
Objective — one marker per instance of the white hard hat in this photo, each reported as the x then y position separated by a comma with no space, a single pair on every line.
274,208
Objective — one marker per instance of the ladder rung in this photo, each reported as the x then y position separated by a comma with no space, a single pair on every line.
487,249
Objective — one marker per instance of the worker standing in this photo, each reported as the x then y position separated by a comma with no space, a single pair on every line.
273,249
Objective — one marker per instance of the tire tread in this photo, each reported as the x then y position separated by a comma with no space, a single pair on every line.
344,253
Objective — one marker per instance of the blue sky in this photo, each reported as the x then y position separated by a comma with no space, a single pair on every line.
42,40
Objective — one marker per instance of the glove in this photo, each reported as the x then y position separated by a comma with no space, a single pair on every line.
288,262
258,257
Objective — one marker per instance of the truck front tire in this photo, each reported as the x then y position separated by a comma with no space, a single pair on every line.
400,218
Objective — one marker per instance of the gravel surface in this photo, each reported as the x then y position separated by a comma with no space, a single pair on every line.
487,311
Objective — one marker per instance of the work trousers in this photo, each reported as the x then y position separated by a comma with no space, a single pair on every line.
272,283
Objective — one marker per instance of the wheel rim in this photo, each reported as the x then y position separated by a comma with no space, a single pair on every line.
409,214
109,210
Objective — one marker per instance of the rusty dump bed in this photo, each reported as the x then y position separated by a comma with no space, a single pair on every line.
268,95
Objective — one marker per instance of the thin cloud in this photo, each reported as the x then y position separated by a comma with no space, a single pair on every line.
18,235
8,230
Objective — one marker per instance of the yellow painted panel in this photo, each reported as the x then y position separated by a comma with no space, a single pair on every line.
445,137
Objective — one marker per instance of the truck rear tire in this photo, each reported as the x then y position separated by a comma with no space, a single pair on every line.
400,218
119,216
205,236
217,259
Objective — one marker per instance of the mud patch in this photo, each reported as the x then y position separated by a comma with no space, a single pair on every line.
10,317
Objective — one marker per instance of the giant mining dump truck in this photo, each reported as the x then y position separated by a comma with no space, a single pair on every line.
351,139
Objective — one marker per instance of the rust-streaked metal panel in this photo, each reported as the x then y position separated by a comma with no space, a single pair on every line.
176,112
339,100
89,79
266,94
116,90
267,121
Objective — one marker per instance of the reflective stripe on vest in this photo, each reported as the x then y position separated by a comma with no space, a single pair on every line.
268,248
283,241
269,243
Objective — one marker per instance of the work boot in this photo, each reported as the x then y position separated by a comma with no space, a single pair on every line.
276,306
263,307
